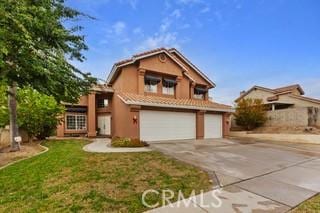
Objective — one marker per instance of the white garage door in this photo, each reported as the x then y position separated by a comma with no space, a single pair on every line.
161,125
212,126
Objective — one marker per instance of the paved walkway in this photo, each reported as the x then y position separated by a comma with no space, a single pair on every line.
102,145
253,176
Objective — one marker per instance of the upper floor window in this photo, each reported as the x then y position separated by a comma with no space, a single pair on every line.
76,122
199,93
168,86
151,83
102,103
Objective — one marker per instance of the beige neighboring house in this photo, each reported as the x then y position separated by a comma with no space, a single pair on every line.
287,106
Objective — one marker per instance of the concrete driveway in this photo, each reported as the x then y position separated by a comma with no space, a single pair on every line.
284,174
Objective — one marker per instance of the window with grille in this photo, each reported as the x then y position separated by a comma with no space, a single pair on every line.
102,103
76,122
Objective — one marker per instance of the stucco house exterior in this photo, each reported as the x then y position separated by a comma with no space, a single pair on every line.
286,106
280,98
155,95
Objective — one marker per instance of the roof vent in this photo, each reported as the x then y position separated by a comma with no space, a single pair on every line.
162,57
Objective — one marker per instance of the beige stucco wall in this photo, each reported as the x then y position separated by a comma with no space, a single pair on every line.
259,94
4,138
167,67
297,102
294,138
288,117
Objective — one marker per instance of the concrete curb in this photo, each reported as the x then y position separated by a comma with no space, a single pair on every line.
17,161
98,146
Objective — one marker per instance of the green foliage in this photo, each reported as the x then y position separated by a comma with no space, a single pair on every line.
38,114
250,113
36,48
4,114
127,142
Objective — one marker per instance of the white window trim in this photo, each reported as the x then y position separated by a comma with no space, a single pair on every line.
76,122
168,90
147,87
198,96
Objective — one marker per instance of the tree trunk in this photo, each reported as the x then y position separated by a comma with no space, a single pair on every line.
12,104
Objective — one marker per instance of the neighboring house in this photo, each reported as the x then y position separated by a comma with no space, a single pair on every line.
286,105
280,98
155,95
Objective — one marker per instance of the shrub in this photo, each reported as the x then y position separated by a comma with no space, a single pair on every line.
250,113
127,142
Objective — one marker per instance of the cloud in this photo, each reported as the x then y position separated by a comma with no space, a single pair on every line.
160,40
117,34
189,1
185,26
166,23
176,13
137,31
132,3
118,27
205,9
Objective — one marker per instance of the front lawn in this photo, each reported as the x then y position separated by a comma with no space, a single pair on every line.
312,205
68,179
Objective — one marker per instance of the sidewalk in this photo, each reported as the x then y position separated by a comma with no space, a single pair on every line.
233,199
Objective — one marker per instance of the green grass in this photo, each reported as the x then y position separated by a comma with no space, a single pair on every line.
67,179
311,205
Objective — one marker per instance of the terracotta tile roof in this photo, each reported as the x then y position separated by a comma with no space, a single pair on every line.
101,88
138,55
179,60
130,98
149,52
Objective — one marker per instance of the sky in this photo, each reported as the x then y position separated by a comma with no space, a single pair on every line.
236,43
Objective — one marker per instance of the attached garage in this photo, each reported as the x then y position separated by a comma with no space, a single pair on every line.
164,125
213,126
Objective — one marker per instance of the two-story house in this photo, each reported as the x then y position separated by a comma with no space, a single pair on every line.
155,95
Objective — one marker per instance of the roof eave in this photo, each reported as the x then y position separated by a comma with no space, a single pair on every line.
175,106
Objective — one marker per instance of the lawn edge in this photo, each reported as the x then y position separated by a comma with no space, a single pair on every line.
17,161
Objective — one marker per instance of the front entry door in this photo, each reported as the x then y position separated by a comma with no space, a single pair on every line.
104,124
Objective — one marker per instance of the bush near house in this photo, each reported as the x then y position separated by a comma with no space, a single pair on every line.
38,114
127,142
250,113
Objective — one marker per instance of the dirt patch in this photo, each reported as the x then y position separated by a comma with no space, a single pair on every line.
27,150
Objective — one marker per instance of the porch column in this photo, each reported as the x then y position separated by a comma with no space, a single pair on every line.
226,124
200,124
141,73
273,107
92,129
192,86
134,122
178,87
206,96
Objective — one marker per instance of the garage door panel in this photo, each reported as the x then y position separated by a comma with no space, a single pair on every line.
212,126
162,125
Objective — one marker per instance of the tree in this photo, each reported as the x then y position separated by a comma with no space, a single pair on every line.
38,114
250,113
4,118
36,48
